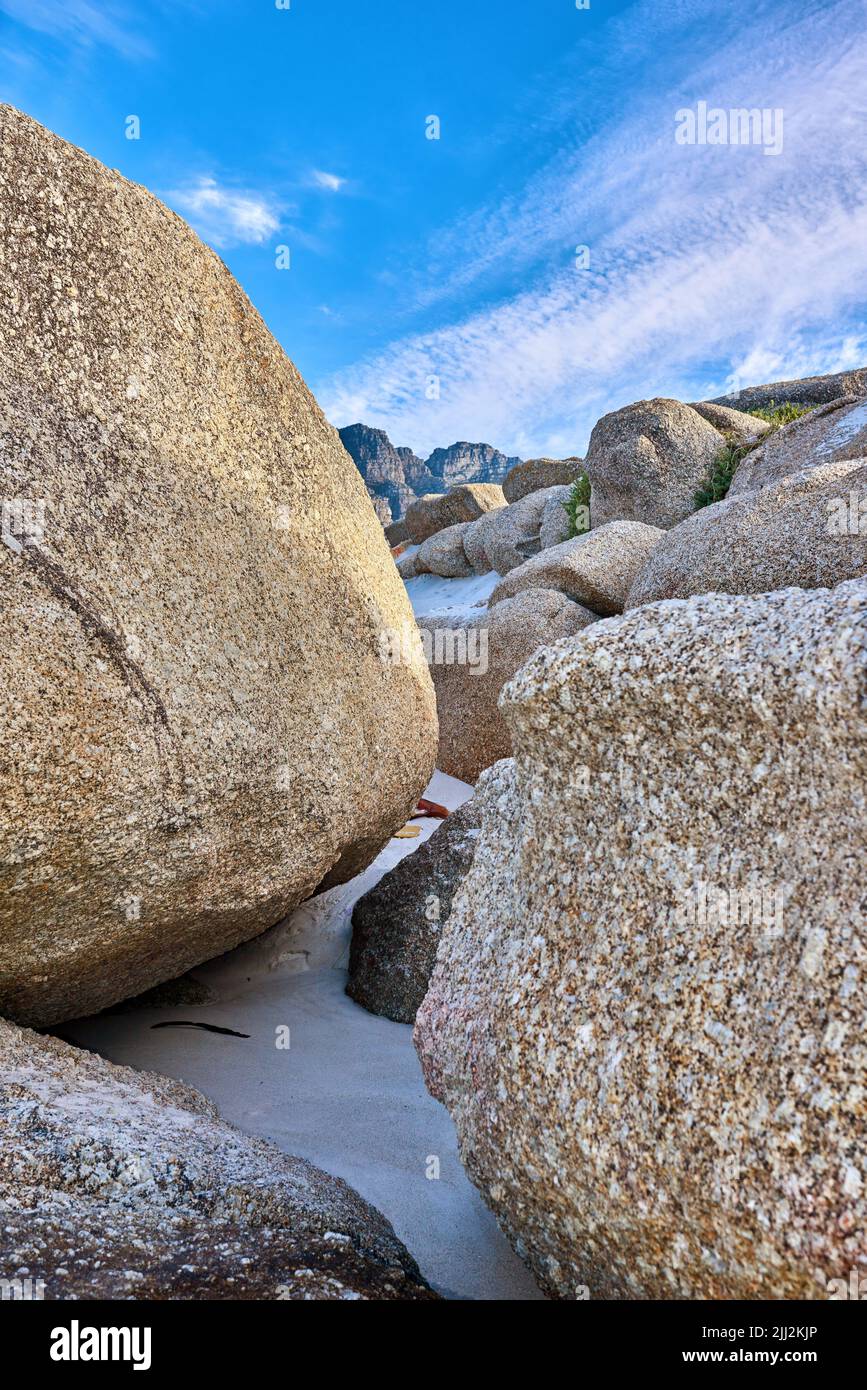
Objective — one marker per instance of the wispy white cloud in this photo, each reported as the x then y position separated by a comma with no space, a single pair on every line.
83,22
710,266
226,216
330,182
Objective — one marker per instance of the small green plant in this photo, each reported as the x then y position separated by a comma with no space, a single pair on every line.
720,479
577,506
727,460
779,415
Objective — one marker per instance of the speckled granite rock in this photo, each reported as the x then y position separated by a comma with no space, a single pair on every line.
827,435
735,424
435,511
510,536
396,926
663,1094
534,474
647,461
474,541
790,533
407,566
496,641
122,1184
443,553
396,533
596,569
555,520
198,723
806,390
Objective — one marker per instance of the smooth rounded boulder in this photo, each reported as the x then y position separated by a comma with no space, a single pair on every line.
443,553
805,530
596,569
437,510
647,461
534,474
199,727
736,425
646,1015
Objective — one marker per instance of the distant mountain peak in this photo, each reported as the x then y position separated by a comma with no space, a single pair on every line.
394,477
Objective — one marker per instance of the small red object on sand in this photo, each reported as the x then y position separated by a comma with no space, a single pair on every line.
430,808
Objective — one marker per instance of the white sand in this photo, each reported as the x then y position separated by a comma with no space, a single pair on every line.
428,593
347,1094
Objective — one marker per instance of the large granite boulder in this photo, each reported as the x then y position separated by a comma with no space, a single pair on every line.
396,926
199,728
646,1016
828,434
800,531
118,1184
443,553
435,511
596,569
533,474
472,656
647,461
807,390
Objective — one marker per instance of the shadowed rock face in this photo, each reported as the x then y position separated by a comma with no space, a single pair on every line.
198,725
646,1015
120,1184
396,926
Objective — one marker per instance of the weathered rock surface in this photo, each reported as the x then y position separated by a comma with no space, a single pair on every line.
472,659
436,511
735,424
596,569
533,474
807,390
443,553
647,461
474,542
407,566
121,1184
396,533
789,533
647,1012
198,725
396,926
828,434
511,535
555,521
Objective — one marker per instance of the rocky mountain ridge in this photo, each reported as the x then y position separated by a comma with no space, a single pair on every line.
395,477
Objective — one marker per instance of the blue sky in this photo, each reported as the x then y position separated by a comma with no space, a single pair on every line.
709,265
